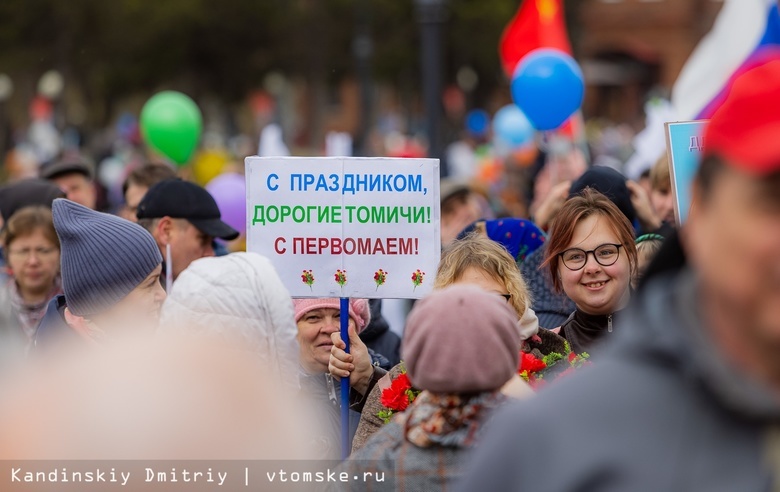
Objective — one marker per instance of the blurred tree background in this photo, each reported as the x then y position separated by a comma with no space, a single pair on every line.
113,49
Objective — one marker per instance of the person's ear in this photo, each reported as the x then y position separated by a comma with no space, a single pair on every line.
77,322
164,230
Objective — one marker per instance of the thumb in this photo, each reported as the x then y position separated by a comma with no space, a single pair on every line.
335,337
354,338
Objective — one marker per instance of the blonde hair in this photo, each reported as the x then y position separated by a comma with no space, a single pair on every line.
660,176
482,253
648,248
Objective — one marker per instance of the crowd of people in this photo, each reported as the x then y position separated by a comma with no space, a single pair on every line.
593,344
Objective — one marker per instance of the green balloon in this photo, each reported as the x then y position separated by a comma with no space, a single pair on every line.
171,124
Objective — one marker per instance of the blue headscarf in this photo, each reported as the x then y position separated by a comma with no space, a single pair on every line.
520,237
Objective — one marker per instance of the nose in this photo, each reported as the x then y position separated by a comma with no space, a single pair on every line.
591,265
331,325
159,294
669,202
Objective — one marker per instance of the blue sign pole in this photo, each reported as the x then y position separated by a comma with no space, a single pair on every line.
345,444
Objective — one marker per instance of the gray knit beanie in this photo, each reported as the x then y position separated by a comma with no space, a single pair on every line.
103,257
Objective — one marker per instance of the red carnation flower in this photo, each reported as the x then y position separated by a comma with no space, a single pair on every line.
530,363
395,397
403,382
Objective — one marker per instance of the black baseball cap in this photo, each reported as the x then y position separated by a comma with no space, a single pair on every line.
181,199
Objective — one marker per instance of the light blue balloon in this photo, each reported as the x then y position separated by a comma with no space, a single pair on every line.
548,86
512,127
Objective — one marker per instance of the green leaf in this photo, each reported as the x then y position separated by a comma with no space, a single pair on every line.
386,415
551,358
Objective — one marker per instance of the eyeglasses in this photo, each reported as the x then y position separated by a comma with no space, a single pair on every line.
26,252
605,255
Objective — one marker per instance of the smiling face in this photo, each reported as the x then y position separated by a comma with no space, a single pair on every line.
597,289
314,330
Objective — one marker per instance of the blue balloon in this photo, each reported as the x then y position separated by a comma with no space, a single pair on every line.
477,122
548,86
512,127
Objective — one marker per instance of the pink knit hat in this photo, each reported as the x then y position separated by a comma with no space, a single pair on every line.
358,309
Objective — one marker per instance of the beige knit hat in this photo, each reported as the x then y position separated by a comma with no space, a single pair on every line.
461,339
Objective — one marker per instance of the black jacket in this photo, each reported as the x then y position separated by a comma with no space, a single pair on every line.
378,337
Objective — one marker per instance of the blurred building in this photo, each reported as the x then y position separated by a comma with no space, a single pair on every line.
628,48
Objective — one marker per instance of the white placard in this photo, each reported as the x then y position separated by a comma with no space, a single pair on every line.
346,226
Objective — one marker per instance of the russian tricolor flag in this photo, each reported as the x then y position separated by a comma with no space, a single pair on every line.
743,30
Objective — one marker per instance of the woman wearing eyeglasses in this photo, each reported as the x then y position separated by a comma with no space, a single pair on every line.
33,260
591,256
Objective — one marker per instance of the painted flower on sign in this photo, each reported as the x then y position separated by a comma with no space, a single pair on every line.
307,277
380,277
341,277
417,278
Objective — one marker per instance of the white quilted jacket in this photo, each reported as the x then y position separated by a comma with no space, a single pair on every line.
238,297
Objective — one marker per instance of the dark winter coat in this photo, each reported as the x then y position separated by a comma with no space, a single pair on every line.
661,409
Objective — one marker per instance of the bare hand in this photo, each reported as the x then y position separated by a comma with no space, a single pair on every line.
644,209
517,388
552,204
356,365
